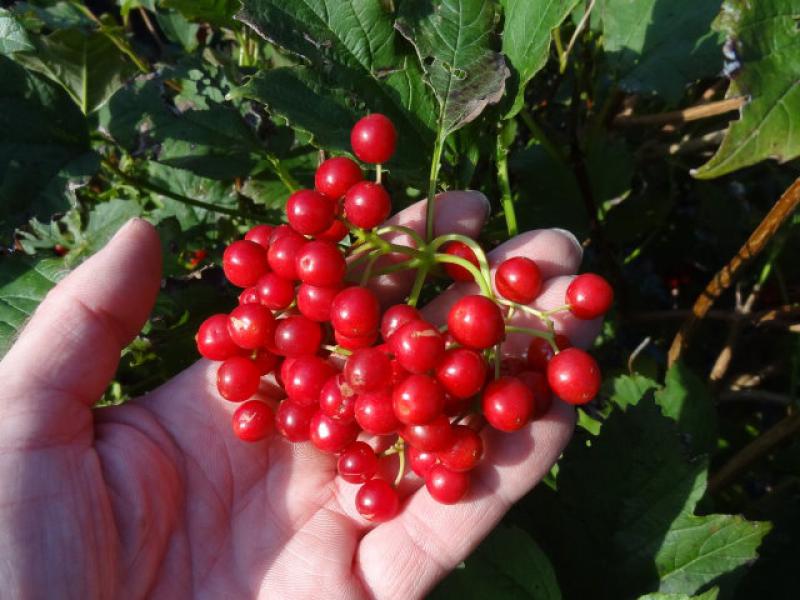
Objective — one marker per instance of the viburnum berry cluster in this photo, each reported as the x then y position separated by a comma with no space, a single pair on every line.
350,369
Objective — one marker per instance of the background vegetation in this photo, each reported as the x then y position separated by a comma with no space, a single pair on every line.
650,128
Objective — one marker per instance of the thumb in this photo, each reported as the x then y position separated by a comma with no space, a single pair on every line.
69,351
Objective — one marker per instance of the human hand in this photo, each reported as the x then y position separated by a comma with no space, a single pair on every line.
157,498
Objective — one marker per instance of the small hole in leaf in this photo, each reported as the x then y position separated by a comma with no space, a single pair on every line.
427,61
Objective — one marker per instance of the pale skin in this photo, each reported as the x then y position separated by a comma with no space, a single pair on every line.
157,498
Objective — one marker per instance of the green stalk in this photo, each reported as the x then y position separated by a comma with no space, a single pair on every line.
486,289
283,174
505,187
419,281
434,176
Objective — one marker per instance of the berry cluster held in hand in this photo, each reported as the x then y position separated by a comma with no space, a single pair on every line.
383,387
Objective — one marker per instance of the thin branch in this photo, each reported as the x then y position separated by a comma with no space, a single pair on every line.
757,241
693,113
576,33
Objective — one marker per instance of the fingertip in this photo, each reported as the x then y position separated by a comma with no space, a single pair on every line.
555,251
461,211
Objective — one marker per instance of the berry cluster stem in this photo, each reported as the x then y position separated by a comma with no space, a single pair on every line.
434,176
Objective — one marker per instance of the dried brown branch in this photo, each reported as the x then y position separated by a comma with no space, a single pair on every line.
757,241
692,113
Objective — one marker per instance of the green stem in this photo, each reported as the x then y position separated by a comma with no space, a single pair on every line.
419,281
483,262
146,185
401,455
530,331
365,276
486,289
406,265
434,176
497,361
562,57
505,187
378,173
400,229
283,174
541,315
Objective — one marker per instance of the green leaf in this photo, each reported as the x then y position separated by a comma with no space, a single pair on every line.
52,15
709,595
355,51
44,147
104,221
24,282
526,41
660,46
627,390
178,29
624,513
87,65
686,400
454,40
767,38
217,12
507,565
13,37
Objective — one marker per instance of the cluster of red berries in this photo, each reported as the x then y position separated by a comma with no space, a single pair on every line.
347,367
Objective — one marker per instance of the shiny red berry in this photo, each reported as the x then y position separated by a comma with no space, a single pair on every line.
314,302
395,317
518,279
542,395
251,326
368,370
476,322
282,254
265,360
446,486
244,262
540,351
507,404
305,378
418,346
335,233
421,462
337,175
367,204
238,379
260,234
589,296
355,342
357,463
320,263
330,435
296,336
461,372
374,413
459,250
309,212
374,139
356,312
377,501
417,399
253,421
275,292
337,399
431,437
574,376
293,420
249,296
213,340
464,451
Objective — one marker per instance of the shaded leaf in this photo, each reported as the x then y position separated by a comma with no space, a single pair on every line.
454,39
526,41
766,38
13,37
218,12
178,29
661,46
709,595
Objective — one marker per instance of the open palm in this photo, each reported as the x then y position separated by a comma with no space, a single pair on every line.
157,498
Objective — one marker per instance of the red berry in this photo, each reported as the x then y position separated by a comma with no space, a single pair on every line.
507,404
357,463
275,292
309,212
462,372
518,279
431,437
540,351
253,421
455,406
337,175
265,360
281,231
356,312
446,486
367,204
282,253
260,234
417,399
293,420
421,462
476,322
320,263
368,370
335,233
589,296
244,262
464,451
542,396
314,302
251,326
355,342
374,413
395,317
418,346
305,378
574,376
377,501
283,372
374,139
460,250
296,336
330,435
238,379
250,296
337,399
213,340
